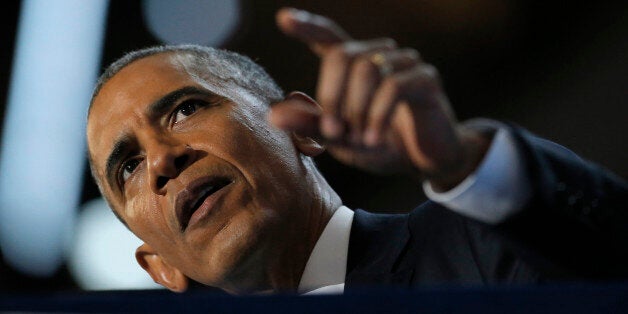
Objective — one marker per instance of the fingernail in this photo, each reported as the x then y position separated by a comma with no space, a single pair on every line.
331,127
371,138
300,15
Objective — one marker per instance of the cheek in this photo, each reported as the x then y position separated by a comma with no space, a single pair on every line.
255,139
146,218
134,206
137,203
267,159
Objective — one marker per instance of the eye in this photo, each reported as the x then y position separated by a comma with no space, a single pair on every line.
127,169
186,109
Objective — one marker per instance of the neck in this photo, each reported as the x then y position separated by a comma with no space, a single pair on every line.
288,256
317,212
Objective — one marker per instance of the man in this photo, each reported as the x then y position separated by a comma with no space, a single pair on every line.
200,154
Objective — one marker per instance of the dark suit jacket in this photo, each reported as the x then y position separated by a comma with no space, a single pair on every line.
574,228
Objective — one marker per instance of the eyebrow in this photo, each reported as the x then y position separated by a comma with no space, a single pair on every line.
163,105
153,111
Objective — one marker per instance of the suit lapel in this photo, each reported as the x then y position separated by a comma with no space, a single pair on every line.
376,248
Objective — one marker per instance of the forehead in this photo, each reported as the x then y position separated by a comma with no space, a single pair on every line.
147,79
131,90
140,82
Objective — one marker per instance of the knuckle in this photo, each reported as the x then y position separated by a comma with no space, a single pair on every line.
431,71
433,75
388,42
363,66
424,84
392,85
412,54
339,53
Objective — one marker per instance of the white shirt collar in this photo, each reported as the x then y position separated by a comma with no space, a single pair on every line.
327,266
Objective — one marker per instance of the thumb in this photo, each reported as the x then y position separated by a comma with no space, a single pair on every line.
315,30
297,113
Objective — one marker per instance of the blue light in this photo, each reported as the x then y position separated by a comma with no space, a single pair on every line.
57,58
204,22
103,252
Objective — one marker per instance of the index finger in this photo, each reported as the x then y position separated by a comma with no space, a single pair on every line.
317,31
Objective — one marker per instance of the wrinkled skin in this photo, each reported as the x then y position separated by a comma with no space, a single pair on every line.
385,114
207,135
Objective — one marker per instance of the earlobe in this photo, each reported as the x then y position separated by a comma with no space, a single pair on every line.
307,146
161,272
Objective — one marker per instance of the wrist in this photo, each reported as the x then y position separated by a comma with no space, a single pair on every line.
473,148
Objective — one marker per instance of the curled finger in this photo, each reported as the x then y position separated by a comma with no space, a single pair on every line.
363,80
416,86
334,70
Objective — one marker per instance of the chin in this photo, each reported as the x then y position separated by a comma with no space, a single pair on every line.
238,261
243,275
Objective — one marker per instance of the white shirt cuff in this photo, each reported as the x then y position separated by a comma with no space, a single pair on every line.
498,189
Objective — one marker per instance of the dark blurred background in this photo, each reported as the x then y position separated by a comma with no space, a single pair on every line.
558,68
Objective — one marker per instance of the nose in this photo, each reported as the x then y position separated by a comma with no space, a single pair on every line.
165,161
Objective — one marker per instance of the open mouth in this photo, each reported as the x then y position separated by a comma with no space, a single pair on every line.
195,196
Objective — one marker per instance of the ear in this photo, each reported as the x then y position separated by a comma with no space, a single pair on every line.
161,272
309,107
307,145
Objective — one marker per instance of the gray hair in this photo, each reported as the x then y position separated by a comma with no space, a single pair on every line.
226,68
224,65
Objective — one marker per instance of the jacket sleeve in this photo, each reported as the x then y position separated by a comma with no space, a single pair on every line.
576,224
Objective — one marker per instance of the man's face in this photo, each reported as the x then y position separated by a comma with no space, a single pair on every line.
203,180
